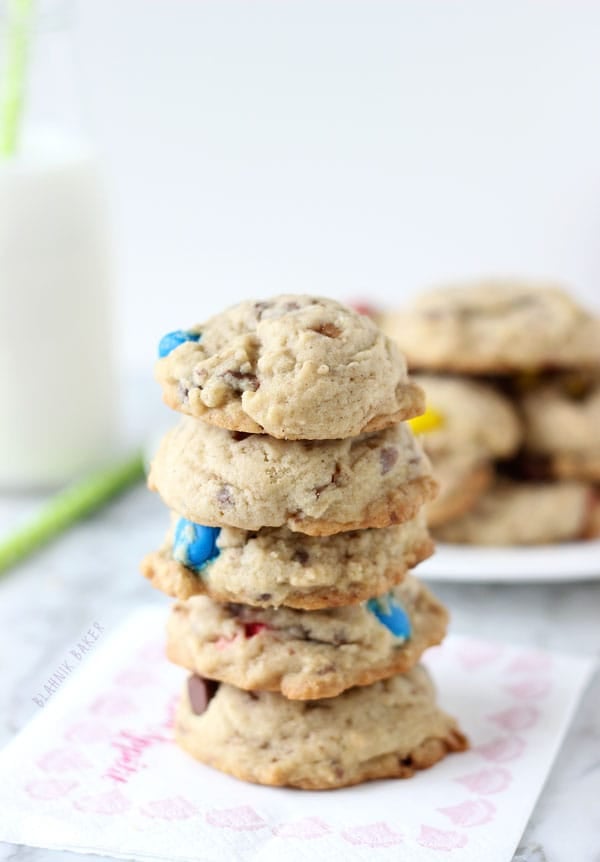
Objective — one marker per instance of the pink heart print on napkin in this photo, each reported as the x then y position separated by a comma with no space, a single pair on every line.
532,661
439,839
242,818
527,689
474,654
112,802
471,812
174,808
309,827
373,835
502,749
64,760
516,718
487,781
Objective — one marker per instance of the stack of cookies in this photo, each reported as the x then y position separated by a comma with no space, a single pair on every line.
513,372
297,494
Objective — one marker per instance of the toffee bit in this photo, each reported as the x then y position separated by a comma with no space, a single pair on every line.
330,330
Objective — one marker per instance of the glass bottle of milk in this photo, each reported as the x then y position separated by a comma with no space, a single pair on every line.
58,413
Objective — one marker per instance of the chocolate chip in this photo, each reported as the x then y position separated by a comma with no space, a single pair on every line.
301,556
200,692
183,393
328,329
225,496
261,307
263,597
290,306
239,435
388,458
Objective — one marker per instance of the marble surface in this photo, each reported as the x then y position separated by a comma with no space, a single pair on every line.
91,575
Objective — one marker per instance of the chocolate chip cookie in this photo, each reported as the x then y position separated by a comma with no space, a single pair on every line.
389,729
514,513
306,654
274,566
220,478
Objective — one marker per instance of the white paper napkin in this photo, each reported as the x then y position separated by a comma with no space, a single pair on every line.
96,771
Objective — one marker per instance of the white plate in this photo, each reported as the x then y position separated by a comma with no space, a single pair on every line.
567,562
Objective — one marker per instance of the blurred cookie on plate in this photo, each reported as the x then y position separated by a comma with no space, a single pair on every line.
520,513
495,326
562,425
462,478
474,418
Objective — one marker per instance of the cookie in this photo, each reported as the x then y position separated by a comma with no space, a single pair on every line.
273,566
562,422
306,654
514,513
294,367
475,418
389,729
221,478
462,479
495,327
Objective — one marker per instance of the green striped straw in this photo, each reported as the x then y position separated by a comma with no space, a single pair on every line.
19,19
68,507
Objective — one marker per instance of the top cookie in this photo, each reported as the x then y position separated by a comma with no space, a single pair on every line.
495,327
293,367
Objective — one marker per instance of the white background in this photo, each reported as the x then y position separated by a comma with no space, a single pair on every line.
356,149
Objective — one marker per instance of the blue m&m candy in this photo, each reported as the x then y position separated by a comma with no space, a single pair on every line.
391,614
173,339
195,545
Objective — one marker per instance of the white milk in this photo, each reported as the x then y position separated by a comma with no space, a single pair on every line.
58,411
